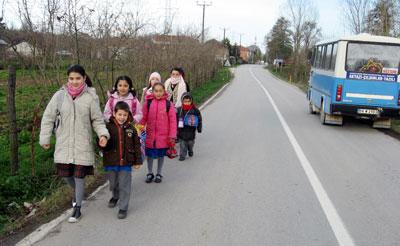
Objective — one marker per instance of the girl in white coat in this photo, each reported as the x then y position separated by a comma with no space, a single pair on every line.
73,113
176,86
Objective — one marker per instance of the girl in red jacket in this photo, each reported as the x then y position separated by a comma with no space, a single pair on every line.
159,117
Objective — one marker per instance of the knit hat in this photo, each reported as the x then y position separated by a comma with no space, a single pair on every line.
156,76
187,95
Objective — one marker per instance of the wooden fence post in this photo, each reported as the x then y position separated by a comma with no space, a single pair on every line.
13,120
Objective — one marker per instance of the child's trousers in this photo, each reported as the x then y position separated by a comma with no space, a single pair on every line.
159,167
121,186
185,146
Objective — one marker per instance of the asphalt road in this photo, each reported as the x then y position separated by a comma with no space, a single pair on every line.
265,172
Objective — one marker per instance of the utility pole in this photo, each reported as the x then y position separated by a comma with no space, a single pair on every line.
224,29
204,5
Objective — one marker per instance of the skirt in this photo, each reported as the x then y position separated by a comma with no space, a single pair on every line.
156,153
72,170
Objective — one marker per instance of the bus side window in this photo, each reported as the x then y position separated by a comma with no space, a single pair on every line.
319,57
323,60
328,57
316,61
334,53
312,57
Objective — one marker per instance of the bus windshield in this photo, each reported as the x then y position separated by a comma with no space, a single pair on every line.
373,58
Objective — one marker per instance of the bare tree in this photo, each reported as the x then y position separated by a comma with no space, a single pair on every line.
300,14
356,13
76,18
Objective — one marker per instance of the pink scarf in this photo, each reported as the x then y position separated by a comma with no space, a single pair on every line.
73,91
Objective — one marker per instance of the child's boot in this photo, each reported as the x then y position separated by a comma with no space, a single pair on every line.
149,178
76,215
122,214
158,178
113,202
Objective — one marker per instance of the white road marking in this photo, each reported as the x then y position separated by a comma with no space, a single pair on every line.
339,229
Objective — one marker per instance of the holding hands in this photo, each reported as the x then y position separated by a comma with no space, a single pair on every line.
103,141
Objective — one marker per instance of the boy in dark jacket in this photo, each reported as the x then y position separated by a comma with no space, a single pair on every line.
120,154
189,120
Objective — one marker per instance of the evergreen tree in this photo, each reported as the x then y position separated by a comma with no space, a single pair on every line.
278,41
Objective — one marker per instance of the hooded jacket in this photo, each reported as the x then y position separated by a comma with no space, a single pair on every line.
123,147
160,124
79,117
188,133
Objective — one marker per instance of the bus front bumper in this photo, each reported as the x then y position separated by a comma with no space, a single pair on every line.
357,110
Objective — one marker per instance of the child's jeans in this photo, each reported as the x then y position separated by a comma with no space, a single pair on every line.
121,186
185,146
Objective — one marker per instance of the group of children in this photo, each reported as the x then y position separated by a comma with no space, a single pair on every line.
166,112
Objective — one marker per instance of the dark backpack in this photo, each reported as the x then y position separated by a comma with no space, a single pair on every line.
150,100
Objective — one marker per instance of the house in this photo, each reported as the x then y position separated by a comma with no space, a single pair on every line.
255,53
23,48
244,54
172,39
3,43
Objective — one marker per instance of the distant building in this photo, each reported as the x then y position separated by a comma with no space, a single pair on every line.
172,39
244,54
23,48
255,54
3,43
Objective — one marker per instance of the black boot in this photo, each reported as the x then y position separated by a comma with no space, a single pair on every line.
76,215
113,202
150,178
122,214
158,178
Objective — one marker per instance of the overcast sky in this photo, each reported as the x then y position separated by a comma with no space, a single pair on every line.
251,18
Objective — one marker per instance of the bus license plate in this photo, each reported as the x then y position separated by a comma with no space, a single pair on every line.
368,111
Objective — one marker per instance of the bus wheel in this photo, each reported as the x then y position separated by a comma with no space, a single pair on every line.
311,108
322,114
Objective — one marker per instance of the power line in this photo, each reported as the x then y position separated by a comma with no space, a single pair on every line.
204,5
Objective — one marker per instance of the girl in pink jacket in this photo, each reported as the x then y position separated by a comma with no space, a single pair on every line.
159,117
123,91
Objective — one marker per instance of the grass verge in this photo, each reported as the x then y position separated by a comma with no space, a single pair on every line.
284,74
205,91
